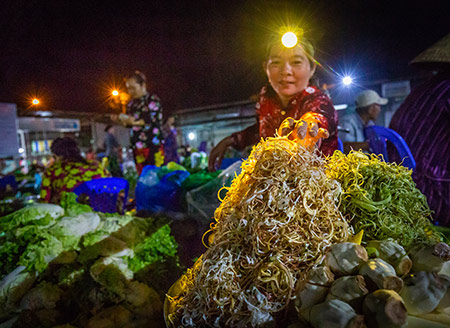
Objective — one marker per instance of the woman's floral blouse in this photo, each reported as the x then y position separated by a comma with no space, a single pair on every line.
149,109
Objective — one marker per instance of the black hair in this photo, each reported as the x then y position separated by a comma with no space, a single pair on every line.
138,76
108,127
68,149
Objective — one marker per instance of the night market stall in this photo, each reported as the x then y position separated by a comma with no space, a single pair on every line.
303,241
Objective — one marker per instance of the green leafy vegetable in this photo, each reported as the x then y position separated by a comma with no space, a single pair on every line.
156,247
71,206
108,225
36,212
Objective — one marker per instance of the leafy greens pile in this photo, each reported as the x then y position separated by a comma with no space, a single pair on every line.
78,262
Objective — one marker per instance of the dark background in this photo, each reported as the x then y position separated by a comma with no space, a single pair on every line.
196,53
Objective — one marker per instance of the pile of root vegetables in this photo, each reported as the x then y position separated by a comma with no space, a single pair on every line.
281,252
376,286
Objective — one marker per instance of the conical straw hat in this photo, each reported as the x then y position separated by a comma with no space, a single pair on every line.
438,53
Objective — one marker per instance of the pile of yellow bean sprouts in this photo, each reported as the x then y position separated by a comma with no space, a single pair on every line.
276,220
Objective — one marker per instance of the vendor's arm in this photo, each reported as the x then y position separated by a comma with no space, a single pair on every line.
128,120
320,104
238,140
316,127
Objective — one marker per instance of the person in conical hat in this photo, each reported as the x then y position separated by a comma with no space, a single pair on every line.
423,120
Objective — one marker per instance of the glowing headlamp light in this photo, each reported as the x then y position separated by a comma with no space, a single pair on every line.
289,39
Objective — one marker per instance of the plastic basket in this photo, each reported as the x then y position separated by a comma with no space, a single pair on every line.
104,194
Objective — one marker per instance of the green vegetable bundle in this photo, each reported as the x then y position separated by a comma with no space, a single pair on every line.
83,268
382,199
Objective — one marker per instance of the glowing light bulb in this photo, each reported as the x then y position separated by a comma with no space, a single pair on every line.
191,135
35,101
115,93
289,39
347,80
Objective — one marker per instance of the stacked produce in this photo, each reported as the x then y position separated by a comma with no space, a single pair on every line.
276,223
278,217
352,288
69,265
380,287
382,199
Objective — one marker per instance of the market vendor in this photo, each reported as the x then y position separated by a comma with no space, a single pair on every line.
288,93
68,171
144,116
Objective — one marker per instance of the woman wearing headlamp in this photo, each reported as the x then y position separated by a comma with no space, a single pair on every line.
288,94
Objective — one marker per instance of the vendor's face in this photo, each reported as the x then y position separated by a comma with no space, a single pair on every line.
289,71
374,111
135,90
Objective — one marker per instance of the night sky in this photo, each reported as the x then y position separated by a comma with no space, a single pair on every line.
196,53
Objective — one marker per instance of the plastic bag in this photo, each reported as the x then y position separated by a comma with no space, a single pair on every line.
203,201
149,176
198,179
199,160
163,196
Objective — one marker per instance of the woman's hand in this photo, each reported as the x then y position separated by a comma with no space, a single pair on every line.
304,131
217,153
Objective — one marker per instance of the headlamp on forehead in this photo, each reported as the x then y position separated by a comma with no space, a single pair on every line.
291,36
289,39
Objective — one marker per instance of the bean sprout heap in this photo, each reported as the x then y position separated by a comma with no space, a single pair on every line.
277,218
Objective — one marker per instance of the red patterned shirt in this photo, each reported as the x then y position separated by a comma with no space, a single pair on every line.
271,115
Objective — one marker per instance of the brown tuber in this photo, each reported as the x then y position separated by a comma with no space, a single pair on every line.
394,254
385,308
423,292
308,295
321,276
345,258
382,274
430,258
333,313
350,289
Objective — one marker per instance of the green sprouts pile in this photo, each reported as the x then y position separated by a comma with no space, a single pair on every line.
382,199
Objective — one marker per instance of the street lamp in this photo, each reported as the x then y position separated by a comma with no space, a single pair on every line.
35,101
115,93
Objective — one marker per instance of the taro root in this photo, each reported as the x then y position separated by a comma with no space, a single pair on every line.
382,274
394,254
321,276
350,289
444,304
309,295
430,258
423,292
333,313
384,308
345,258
